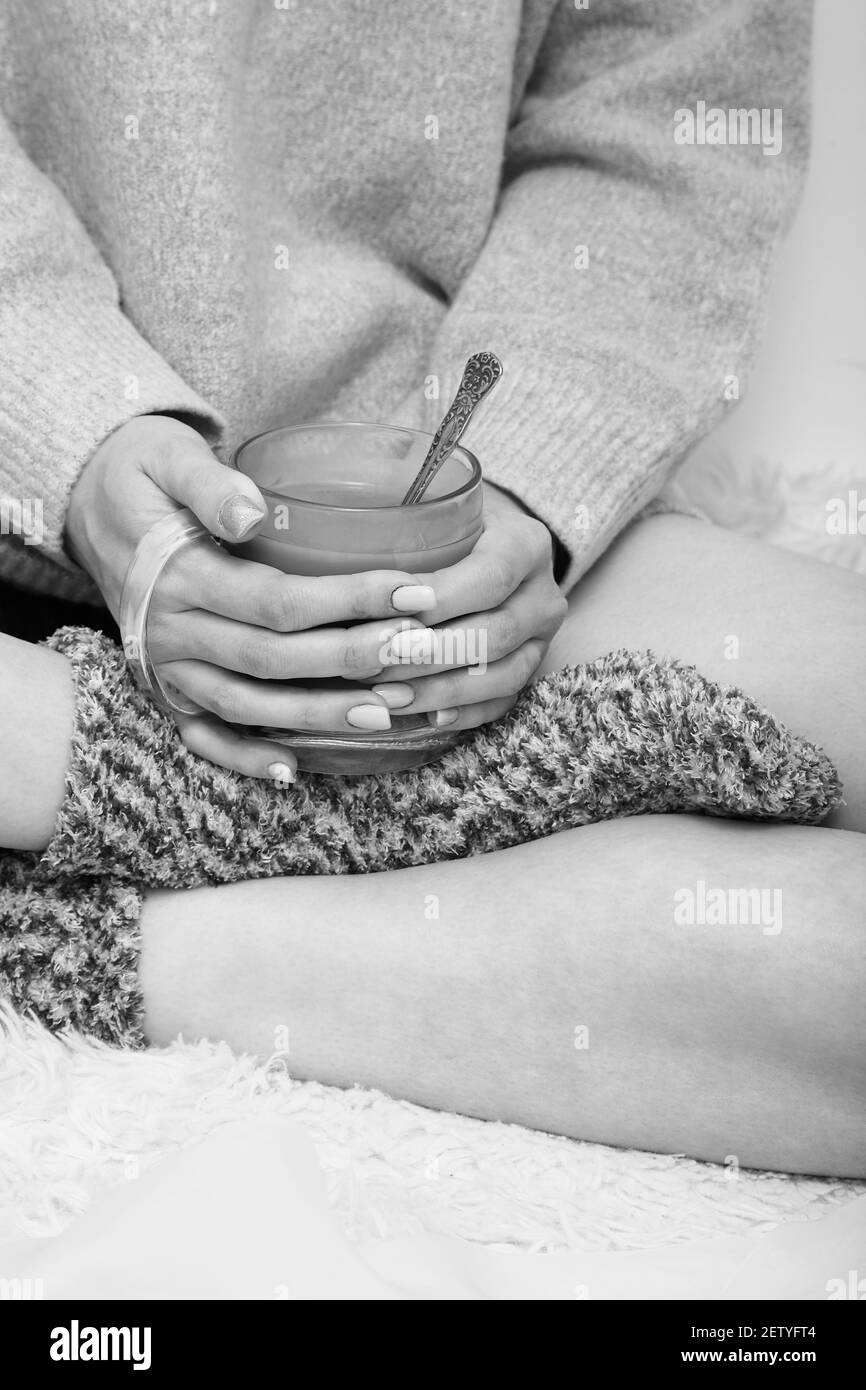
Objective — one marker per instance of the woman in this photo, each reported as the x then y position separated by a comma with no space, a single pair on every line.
290,212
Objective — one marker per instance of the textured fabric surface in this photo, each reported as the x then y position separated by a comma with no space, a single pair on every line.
626,735
264,214
69,951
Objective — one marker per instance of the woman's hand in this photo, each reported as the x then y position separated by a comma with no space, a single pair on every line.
225,631
507,608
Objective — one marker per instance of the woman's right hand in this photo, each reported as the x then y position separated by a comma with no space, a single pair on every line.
226,632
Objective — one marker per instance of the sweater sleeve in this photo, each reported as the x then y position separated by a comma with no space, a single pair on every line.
625,270
73,367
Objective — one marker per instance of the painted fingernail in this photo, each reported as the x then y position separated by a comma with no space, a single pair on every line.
238,515
368,717
413,598
396,696
414,644
282,773
441,717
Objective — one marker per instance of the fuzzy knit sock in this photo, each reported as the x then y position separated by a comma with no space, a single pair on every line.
69,951
625,735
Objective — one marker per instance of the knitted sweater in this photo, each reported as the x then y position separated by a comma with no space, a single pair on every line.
273,211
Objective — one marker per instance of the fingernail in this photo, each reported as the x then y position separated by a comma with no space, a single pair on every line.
238,515
282,773
441,717
413,644
413,598
368,717
396,696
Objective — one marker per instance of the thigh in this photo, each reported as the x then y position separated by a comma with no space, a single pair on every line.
788,630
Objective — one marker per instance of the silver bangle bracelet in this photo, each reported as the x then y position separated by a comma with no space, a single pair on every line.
152,554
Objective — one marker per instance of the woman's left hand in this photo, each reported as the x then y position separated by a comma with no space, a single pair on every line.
495,616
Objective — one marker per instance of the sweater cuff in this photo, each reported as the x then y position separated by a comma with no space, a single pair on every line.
109,375
584,446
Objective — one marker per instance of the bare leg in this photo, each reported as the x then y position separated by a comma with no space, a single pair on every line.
702,1039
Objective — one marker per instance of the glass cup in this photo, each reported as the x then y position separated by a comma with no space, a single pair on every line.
333,494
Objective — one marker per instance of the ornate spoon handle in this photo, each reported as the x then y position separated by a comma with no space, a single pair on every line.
479,376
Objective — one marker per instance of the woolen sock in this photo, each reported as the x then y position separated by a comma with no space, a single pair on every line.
630,734
69,951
